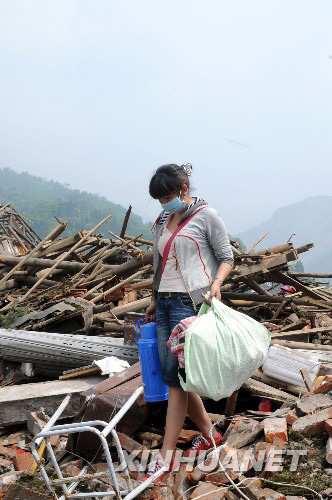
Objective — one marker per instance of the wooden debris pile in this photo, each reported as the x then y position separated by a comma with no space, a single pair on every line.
78,284
92,285
16,236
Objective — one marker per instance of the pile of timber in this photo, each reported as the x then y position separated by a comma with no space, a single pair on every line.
79,284
16,236
86,284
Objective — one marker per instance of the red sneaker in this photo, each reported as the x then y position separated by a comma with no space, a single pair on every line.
156,465
200,444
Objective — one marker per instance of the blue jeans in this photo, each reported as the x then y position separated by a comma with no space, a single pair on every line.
170,311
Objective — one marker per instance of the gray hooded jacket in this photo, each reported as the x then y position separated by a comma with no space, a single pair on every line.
201,246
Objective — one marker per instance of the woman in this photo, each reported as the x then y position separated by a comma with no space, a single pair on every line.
197,260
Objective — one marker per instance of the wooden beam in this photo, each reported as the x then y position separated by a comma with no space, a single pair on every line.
64,257
125,223
280,277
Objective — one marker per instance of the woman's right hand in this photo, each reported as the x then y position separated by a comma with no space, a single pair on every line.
150,313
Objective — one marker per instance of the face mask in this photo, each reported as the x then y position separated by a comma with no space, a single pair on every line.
174,206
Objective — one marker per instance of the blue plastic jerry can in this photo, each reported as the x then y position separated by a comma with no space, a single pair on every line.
154,387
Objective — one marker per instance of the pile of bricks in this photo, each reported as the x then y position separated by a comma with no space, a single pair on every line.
253,451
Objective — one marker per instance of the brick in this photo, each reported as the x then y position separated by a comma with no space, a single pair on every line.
291,417
242,431
210,492
309,425
201,470
310,403
324,384
15,438
262,446
158,492
219,477
181,483
272,494
35,424
187,435
328,426
130,444
4,462
252,487
329,451
10,477
275,427
23,460
278,444
7,452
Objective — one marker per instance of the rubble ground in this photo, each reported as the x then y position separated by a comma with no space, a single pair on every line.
66,303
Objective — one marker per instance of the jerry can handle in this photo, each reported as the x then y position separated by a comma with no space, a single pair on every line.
138,325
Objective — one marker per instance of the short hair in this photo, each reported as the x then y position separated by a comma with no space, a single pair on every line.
169,179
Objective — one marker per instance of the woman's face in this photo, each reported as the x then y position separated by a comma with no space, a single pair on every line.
171,197
168,198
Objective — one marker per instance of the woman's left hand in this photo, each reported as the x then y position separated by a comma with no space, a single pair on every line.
215,290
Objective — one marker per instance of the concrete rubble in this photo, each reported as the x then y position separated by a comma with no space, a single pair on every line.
68,301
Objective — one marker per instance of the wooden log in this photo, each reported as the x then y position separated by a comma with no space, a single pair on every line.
133,264
266,379
301,345
304,248
309,275
279,309
113,327
257,241
131,245
62,244
231,404
252,284
53,234
267,265
254,297
104,254
261,389
65,255
125,222
108,293
139,240
322,329
137,305
142,284
14,234
285,247
118,270
306,378
9,260
280,277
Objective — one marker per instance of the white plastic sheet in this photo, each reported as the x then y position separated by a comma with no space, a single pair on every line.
111,365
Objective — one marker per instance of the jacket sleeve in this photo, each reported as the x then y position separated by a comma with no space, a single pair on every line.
218,237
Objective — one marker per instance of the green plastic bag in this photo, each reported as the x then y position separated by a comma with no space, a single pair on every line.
223,348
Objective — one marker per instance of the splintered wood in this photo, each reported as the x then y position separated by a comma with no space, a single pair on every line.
113,275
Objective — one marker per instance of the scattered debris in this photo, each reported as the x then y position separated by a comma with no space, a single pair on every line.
67,302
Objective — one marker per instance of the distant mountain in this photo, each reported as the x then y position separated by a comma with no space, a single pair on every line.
310,220
39,200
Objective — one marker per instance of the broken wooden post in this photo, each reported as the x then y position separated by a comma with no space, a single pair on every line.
63,257
50,237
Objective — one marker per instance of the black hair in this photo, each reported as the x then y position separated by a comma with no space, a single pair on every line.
168,179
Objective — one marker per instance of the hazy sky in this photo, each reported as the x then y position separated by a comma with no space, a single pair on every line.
98,93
